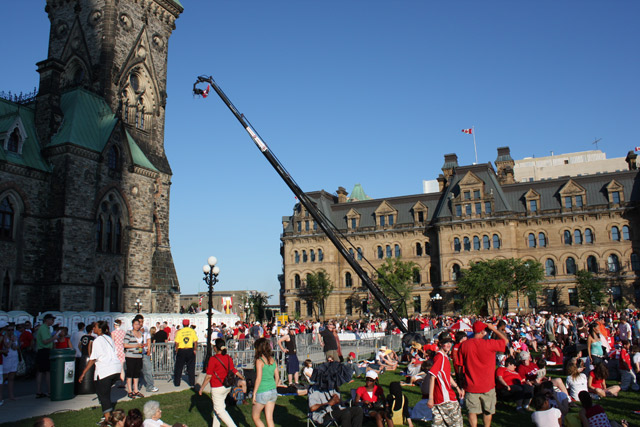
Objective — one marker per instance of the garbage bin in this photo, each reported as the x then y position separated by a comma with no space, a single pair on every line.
87,386
63,373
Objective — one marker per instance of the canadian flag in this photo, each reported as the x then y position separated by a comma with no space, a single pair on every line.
637,148
205,92
467,131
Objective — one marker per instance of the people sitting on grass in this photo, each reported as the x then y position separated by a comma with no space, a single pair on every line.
371,398
597,382
545,415
307,371
134,418
326,404
387,359
152,414
557,399
117,419
594,415
576,379
511,386
398,405
553,354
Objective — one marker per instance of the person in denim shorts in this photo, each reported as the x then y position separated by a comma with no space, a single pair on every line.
265,387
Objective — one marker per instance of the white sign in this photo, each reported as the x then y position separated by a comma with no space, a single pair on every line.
69,372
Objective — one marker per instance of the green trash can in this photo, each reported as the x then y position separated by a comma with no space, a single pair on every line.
63,373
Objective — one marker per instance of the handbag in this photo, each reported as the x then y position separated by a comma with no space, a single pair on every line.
230,379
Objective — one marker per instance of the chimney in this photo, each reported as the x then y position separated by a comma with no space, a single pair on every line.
342,195
504,166
631,160
450,163
442,182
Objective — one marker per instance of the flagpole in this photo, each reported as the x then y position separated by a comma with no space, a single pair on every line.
473,132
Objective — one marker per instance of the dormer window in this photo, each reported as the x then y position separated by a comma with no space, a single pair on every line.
615,193
573,195
353,219
13,139
386,215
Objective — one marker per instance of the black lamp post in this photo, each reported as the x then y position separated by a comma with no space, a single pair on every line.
436,299
211,272
138,305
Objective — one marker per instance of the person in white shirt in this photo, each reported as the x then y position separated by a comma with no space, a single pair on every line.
545,415
103,356
577,380
152,414
75,339
624,329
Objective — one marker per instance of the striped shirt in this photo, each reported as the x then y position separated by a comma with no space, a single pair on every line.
136,352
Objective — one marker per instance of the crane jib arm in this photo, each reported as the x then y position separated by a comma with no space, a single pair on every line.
302,197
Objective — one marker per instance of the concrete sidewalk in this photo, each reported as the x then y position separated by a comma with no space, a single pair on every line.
26,405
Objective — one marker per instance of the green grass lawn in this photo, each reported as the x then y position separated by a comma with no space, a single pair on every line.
195,411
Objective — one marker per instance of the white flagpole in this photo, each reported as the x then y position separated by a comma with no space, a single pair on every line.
473,132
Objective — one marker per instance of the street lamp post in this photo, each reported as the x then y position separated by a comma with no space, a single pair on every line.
211,271
138,305
437,298
246,311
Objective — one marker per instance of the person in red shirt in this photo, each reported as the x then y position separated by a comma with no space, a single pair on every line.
597,382
442,399
458,367
528,370
371,397
510,385
479,359
627,377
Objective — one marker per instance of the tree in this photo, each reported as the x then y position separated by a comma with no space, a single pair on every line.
591,290
319,287
395,280
258,304
489,284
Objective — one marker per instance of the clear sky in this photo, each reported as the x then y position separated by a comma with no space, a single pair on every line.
362,91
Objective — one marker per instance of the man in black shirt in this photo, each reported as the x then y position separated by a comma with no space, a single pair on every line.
160,336
329,343
289,348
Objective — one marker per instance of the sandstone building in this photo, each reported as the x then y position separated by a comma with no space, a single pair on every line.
84,180
586,221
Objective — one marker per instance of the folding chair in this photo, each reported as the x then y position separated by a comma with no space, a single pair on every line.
329,421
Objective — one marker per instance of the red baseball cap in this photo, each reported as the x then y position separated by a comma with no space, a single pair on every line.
479,326
352,354
185,322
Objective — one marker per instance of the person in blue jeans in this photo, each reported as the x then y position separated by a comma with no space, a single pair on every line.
267,380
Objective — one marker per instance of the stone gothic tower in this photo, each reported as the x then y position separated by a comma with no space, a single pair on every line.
90,227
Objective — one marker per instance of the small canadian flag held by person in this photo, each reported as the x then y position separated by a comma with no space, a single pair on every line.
467,131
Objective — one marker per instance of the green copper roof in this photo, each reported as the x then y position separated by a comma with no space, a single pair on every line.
178,3
138,156
88,121
358,194
30,156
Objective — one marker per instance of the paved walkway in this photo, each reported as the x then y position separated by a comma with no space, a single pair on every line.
26,405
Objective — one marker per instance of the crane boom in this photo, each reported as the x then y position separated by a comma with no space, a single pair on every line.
325,225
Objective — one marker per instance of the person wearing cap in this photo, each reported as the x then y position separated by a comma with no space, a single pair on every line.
186,349
291,356
326,403
371,397
442,399
44,344
478,356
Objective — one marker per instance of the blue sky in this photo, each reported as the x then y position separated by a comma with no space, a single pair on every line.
362,91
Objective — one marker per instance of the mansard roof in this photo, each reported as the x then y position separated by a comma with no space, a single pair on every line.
31,156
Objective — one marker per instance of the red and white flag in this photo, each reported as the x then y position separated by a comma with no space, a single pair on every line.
467,131
205,92
637,148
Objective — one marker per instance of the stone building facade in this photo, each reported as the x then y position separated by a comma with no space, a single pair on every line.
84,180
480,212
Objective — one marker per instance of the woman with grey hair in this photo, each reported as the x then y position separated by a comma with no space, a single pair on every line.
152,414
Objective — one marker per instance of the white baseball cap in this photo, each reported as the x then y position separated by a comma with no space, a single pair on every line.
372,374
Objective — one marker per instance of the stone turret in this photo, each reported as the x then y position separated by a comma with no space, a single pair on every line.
450,163
504,165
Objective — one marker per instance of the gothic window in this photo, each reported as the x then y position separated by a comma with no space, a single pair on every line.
99,227
138,98
296,281
615,234
110,225
98,304
588,236
296,257
388,251
320,255
13,144
348,280
571,265
613,263
380,252
6,219
577,237
456,244
467,244
359,254
550,267
496,241
625,233
397,252
592,264
312,255
635,262
532,240
455,272
486,243
476,243
542,240
114,294
418,249
109,235
113,159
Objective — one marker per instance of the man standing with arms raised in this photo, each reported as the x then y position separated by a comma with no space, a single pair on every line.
478,356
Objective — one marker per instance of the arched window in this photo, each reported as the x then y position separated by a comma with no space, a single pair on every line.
359,254
542,240
416,276
98,304
427,248
476,243
588,236
296,281
577,237
613,263
348,280
110,226
496,241
467,244
114,297
13,145
388,251
418,249
380,252
6,219
397,252
304,256
320,255
456,244
567,237
109,235
455,272
113,159
99,227
312,255
615,234
592,264
532,240
486,243
351,252
550,267
625,233
296,257
635,262
571,265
